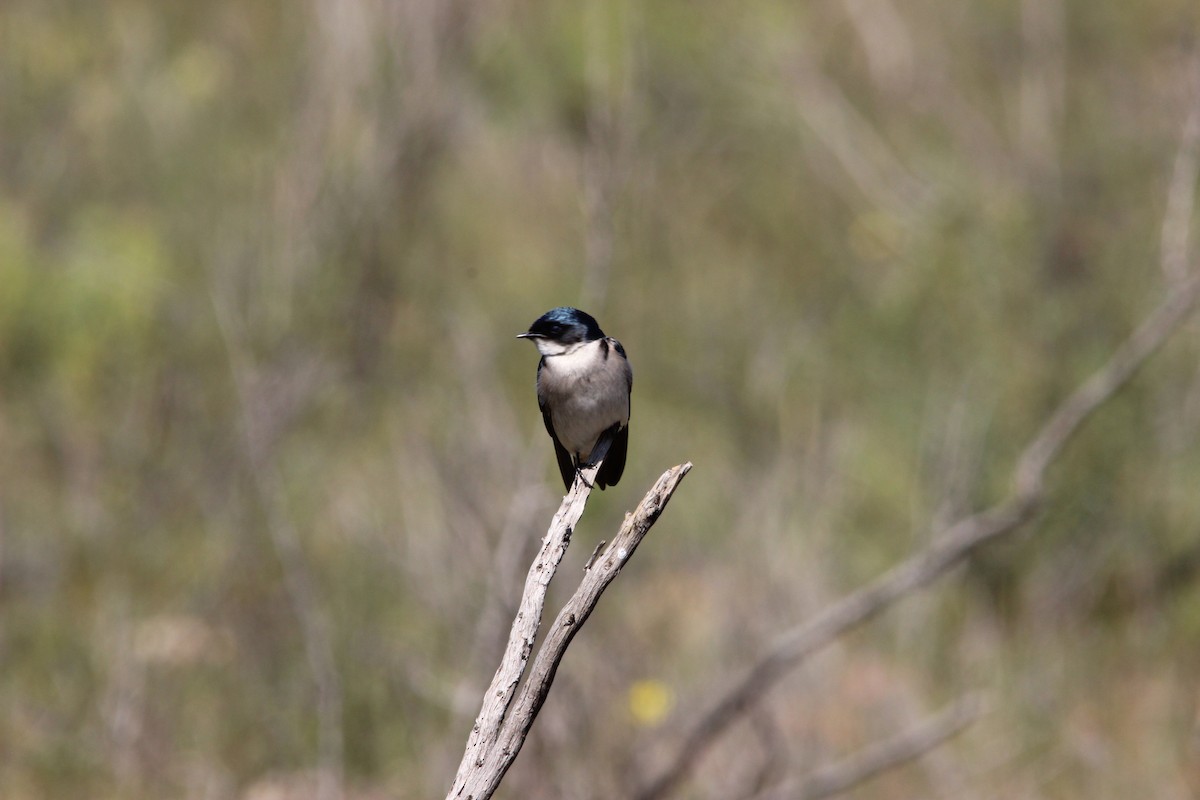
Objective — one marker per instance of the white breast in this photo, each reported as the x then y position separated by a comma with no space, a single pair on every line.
587,393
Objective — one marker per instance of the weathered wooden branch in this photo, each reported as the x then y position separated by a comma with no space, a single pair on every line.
944,552
502,725
524,628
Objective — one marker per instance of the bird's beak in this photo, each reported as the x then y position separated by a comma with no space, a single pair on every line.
528,335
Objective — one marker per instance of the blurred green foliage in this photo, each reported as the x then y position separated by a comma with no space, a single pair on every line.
260,269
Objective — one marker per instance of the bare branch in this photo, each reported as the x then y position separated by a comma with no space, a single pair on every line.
260,428
1175,239
886,42
1104,383
950,549
1042,88
880,757
856,144
775,750
524,628
499,731
508,555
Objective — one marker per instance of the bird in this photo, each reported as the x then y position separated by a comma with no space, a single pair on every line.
584,383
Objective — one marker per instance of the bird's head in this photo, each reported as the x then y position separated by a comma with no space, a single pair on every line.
561,330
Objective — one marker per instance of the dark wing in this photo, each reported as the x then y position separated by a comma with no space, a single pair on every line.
566,466
628,368
614,462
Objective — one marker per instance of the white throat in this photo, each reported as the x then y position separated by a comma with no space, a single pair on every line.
549,347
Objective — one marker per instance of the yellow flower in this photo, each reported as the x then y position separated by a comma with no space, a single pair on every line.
649,701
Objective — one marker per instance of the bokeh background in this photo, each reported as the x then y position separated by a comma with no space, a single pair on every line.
271,467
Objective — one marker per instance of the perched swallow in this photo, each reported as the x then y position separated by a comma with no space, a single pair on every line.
583,386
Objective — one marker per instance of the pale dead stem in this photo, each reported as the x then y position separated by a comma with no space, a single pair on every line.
972,531
259,434
882,756
507,715
950,549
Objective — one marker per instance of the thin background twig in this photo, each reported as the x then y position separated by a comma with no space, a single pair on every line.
945,552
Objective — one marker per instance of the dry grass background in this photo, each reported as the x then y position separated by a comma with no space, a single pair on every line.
270,463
